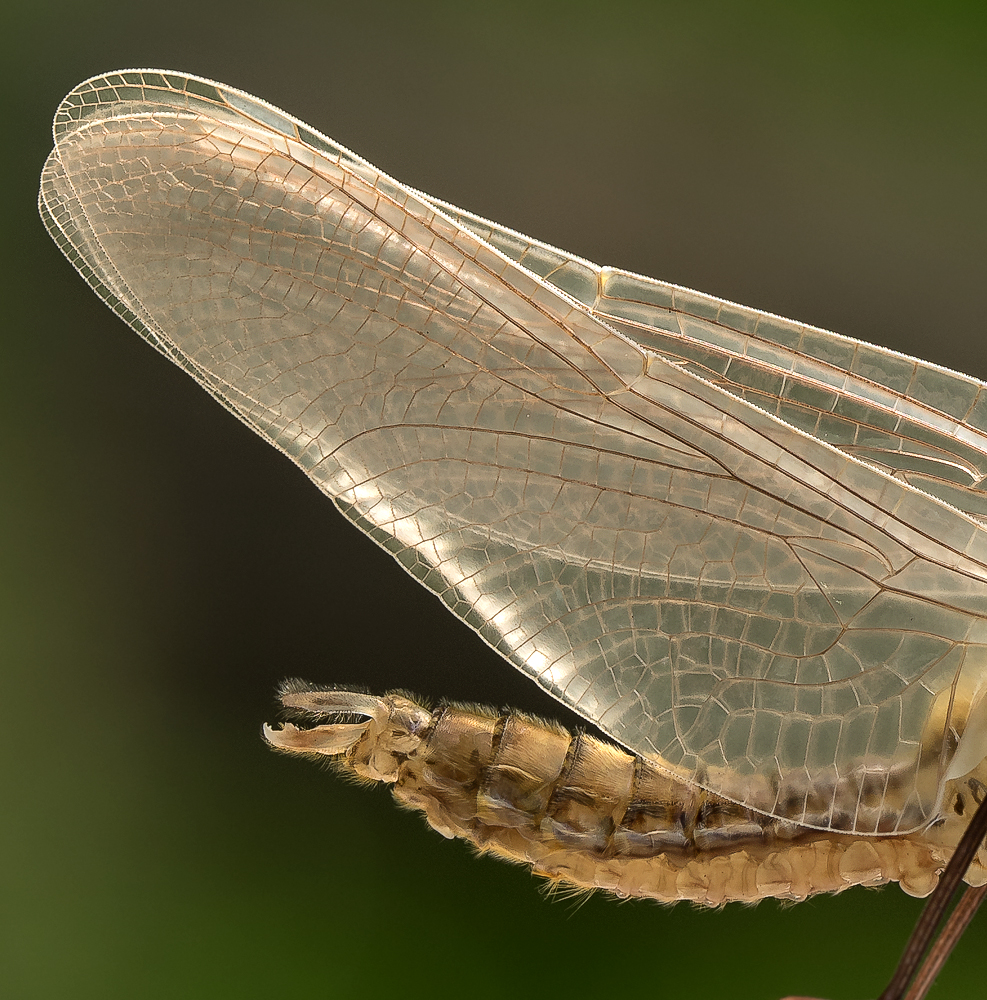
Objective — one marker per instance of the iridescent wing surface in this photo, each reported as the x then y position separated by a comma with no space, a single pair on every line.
694,523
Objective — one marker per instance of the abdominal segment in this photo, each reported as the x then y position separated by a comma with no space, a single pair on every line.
586,814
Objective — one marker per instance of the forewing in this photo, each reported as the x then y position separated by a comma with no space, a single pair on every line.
921,422
771,618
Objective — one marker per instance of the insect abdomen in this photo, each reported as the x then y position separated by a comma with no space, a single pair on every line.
583,812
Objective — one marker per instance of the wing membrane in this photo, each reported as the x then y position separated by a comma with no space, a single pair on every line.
919,421
573,462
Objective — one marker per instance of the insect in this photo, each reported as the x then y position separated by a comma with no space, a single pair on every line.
751,552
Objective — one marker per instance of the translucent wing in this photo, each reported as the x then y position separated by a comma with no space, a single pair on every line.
558,457
921,422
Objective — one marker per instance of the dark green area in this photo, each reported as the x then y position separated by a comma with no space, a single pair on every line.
161,570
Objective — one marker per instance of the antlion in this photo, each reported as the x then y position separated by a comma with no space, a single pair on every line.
752,553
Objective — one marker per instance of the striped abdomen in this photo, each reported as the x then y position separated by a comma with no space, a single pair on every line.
585,812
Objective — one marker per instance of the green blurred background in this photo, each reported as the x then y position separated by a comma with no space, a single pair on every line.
162,569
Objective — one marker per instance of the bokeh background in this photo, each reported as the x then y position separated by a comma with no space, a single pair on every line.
161,569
